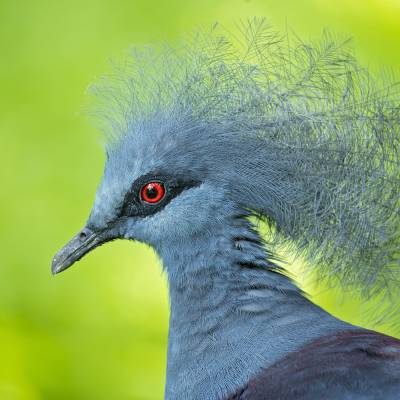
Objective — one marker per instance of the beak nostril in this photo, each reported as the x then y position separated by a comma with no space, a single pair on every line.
83,235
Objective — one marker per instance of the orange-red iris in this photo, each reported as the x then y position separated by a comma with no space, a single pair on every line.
152,192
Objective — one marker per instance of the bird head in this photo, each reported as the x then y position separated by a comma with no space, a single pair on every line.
157,188
215,127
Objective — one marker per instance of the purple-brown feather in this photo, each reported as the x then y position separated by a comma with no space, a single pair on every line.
358,364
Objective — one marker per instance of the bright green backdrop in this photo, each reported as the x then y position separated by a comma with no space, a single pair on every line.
99,331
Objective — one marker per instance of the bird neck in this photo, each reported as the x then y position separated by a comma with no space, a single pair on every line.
233,312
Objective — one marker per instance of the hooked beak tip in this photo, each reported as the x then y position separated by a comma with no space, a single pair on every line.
56,267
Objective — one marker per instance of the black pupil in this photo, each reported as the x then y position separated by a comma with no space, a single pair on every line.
151,192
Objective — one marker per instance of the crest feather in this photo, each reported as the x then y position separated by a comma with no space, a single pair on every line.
306,138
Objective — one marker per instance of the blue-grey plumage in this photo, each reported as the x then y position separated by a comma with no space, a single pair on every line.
204,136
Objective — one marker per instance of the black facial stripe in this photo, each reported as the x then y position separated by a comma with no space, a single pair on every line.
134,206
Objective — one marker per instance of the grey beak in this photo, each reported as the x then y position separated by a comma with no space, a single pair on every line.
85,241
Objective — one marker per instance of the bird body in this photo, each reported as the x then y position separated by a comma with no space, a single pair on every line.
224,332
203,141
230,332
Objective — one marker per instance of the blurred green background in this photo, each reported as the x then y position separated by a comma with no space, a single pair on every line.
99,331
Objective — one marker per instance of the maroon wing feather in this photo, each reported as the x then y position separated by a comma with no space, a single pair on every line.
352,365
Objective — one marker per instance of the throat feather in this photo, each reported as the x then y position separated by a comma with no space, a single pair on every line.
232,313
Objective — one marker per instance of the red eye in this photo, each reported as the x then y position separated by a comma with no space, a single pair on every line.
152,192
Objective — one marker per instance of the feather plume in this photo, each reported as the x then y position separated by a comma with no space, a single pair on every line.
299,133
